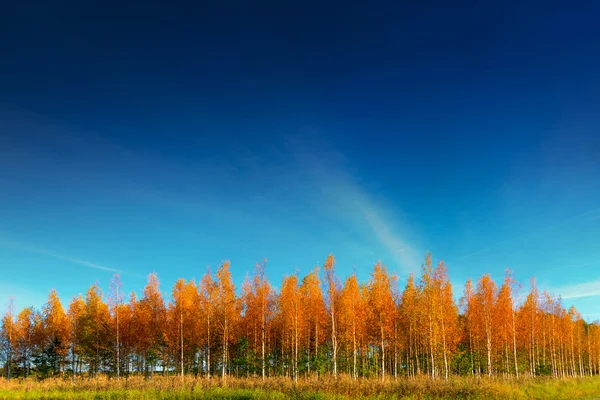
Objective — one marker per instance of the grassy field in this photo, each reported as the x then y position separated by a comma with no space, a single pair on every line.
279,388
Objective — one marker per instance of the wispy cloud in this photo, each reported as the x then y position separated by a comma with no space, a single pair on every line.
578,290
274,188
404,254
26,247
338,192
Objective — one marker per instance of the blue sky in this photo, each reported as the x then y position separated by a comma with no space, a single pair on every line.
168,138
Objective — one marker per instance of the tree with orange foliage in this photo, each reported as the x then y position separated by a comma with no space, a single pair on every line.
151,318
562,322
96,330
25,325
467,304
291,319
56,328
227,311
115,301
548,304
352,317
258,299
446,313
485,300
207,295
8,337
332,294
182,314
381,309
127,333
575,333
409,322
75,314
429,311
504,321
314,309
529,320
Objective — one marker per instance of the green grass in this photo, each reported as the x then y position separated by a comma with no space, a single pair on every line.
171,388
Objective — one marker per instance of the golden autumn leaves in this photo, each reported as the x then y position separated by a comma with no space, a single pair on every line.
314,325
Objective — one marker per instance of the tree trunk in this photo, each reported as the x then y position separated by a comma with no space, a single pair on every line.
431,347
316,343
532,354
395,351
444,345
296,347
224,348
354,348
263,328
208,346
181,335
118,342
488,337
263,347
382,355
73,359
471,352
333,339
514,334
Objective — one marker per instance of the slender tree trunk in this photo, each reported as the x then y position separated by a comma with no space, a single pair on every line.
409,352
553,350
263,325
431,346
208,347
444,345
382,355
532,355
8,362
118,342
507,360
574,371
416,354
73,359
471,352
598,360
543,339
489,354
354,347
488,337
589,352
514,335
333,338
181,336
224,348
296,346
317,343
263,347
395,351
308,354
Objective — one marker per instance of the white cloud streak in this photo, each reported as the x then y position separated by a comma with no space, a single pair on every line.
338,193
575,291
397,245
25,247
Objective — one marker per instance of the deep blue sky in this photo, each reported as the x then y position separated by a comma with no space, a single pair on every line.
168,137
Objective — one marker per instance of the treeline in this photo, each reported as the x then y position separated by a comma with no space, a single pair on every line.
315,325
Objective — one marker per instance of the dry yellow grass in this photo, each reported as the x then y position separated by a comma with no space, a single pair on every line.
344,387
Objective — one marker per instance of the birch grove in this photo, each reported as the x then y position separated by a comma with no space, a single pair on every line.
386,327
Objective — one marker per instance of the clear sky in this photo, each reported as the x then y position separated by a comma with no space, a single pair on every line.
169,137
